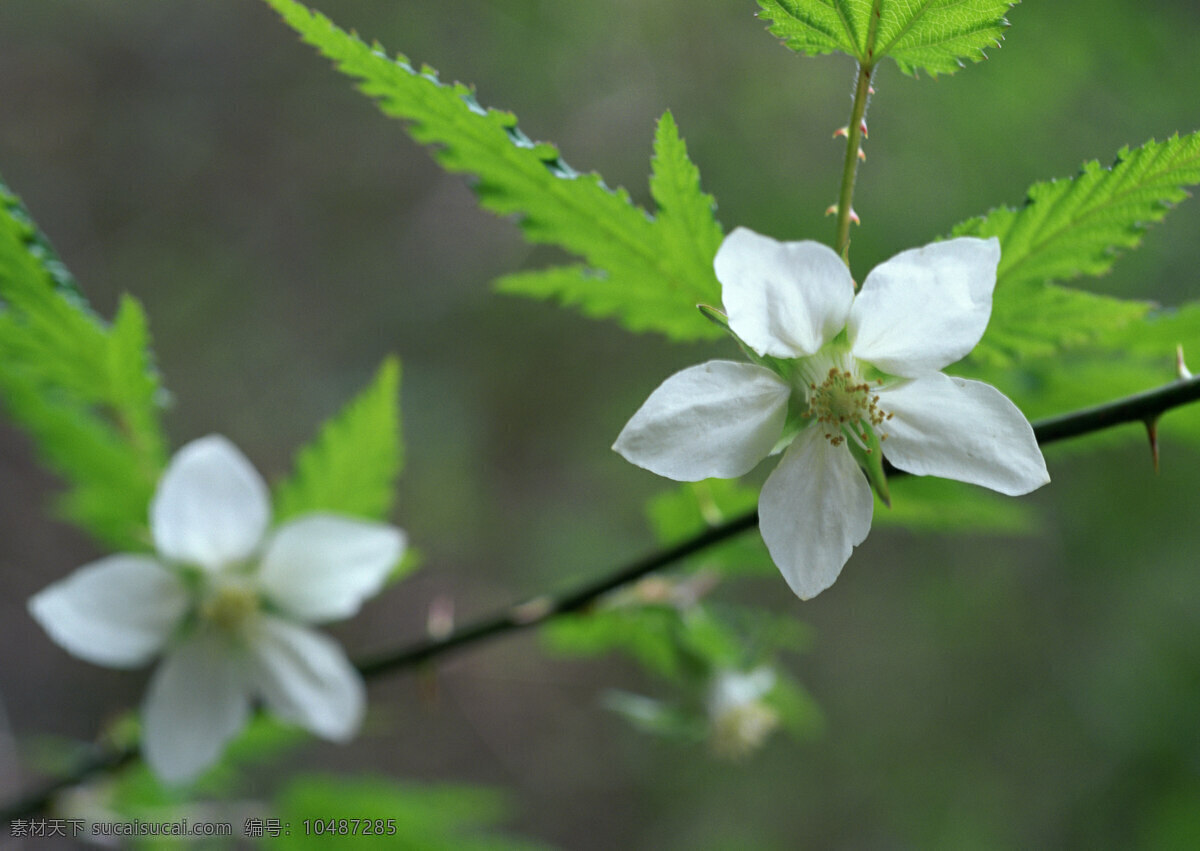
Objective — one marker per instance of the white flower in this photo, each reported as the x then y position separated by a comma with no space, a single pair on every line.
739,720
837,377
224,603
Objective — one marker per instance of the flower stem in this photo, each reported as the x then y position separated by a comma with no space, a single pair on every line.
854,137
1140,408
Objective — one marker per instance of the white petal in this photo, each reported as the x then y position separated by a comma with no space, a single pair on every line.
783,298
715,420
211,507
964,430
118,611
197,701
815,508
321,567
305,678
925,308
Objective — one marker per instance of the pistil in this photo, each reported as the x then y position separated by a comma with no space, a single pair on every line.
844,405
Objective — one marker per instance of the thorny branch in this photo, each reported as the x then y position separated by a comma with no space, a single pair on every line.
1144,408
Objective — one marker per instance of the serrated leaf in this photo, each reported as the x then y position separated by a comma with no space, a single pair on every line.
1118,363
647,273
86,392
925,503
38,247
1073,227
352,465
134,389
934,36
111,482
685,226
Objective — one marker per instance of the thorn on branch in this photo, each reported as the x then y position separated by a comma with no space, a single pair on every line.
439,621
532,611
1180,367
1151,424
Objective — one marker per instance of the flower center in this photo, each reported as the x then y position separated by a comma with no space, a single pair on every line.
740,729
843,403
231,606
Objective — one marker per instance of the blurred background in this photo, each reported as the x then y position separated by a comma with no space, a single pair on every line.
995,692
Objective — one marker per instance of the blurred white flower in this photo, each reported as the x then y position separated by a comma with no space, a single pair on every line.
225,602
839,379
739,719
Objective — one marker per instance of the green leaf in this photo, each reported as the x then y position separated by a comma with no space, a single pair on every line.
352,465
920,35
1118,363
654,635
87,393
686,230
693,507
136,793
1074,227
410,816
647,273
111,482
38,247
656,718
926,503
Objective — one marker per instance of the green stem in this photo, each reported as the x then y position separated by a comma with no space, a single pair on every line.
1144,408
854,136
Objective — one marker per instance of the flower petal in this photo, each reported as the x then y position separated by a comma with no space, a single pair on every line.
211,507
783,298
321,567
305,678
118,611
815,508
198,700
715,420
925,308
963,430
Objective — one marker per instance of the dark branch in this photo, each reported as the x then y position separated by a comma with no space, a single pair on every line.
1143,408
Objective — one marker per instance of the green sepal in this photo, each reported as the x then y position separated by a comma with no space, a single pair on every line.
716,317
870,459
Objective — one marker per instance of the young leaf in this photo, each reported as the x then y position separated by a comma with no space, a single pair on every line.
931,35
647,273
1074,227
352,465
